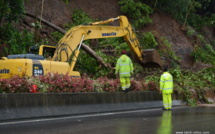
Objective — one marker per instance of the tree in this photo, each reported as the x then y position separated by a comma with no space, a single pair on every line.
11,11
138,11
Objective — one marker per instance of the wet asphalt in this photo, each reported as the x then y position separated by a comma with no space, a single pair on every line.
180,120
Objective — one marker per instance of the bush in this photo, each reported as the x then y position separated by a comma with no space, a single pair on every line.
64,83
205,54
148,41
136,10
105,84
137,86
59,83
15,84
151,86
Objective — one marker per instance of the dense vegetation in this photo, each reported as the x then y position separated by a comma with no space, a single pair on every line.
192,14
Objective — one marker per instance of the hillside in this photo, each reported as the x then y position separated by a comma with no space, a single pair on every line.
185,49
163,25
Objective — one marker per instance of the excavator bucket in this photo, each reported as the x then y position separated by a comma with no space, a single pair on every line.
151,59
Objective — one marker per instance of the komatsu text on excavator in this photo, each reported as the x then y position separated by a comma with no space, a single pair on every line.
27,65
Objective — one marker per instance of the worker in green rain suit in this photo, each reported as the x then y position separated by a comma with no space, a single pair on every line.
124,67
166,87
165,123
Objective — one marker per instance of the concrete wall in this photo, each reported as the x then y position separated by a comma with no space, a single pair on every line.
22,106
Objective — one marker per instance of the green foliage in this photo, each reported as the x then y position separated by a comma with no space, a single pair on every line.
184,81
196,13
209,76
212,42
138,70
190,31
57,36
198,81
191,101
118,44
148,40
88,65
17,42
11,10
169,50
198,21
180,9
205,54
84,64
79,17
177,8
36,24
210,21
66,2
136,10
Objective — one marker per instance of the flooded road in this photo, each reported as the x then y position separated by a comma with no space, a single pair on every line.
180,120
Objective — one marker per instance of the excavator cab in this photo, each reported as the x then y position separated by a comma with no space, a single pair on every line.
47,51
43,50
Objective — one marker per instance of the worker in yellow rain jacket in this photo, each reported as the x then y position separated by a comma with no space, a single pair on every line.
166,87
124,67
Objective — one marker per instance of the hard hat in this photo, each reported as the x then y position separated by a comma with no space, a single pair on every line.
123,52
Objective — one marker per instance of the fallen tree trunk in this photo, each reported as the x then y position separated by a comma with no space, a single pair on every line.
85,47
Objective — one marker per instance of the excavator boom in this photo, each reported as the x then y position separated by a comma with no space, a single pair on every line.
72,40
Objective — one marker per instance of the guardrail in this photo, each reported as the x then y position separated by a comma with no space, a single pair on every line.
38,105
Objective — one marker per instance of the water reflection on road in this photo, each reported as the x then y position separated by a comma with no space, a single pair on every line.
180,120
165,122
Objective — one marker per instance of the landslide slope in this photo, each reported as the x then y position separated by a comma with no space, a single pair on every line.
163,25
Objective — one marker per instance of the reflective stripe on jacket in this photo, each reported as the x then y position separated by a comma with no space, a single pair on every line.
166,83
124,66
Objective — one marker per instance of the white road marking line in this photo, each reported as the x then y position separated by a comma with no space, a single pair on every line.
76,116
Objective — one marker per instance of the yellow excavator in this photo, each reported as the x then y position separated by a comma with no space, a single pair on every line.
68,47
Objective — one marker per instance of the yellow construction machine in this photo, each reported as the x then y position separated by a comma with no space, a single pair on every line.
68,47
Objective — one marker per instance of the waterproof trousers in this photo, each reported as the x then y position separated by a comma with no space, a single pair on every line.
167,100
125,82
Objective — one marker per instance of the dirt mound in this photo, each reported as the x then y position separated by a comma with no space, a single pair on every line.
98,9
59,13
164,26
54,11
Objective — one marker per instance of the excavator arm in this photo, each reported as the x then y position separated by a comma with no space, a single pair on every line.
70,44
